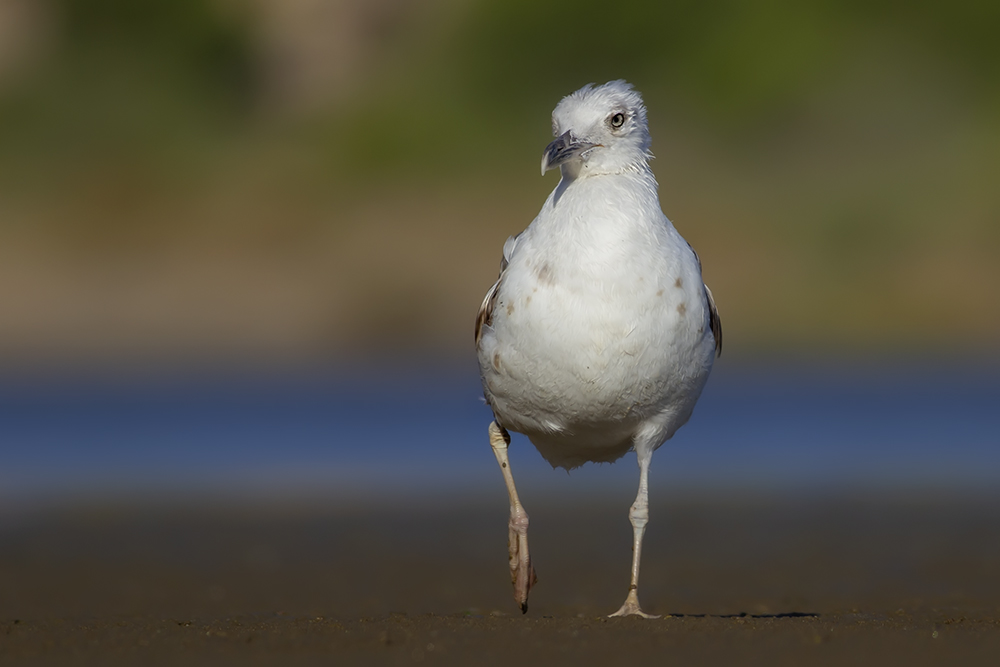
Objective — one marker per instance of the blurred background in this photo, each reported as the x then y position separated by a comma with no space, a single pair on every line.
243,242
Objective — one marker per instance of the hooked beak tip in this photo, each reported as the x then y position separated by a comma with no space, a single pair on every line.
563,149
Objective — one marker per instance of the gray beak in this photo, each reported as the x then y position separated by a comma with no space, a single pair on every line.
563,149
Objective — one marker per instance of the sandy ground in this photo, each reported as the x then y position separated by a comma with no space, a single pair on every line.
912,580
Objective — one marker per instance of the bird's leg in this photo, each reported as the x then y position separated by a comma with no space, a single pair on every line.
521,573
639,516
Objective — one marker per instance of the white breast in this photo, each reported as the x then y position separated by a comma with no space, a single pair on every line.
600,327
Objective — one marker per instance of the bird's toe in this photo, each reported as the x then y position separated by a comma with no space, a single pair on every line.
631,607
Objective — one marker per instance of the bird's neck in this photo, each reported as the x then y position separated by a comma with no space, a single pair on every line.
576,171
626,188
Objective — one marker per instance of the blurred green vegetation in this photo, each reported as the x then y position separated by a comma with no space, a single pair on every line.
142,76
128,78
835,163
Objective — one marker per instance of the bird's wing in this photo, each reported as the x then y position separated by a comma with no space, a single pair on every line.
485,315
714,321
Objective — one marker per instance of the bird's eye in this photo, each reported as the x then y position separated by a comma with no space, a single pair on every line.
617,120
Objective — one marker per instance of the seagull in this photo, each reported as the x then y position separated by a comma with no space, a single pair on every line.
599,335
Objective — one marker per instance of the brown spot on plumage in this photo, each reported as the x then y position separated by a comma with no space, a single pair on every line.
682,309
496,361
545,274
659,292
679,282
510,308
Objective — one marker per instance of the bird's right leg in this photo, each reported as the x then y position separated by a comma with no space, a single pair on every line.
639,516
521,573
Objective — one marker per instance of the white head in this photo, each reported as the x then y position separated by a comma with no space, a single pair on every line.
599,130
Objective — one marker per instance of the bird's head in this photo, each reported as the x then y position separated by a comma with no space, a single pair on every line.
599,130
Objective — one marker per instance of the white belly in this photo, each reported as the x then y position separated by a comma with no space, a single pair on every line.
582,359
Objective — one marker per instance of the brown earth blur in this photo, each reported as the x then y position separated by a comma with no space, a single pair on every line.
790,581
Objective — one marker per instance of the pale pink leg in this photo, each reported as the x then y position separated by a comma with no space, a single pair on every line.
639,516
521,573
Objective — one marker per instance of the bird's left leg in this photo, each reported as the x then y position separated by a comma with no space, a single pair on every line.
522,575
639,517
